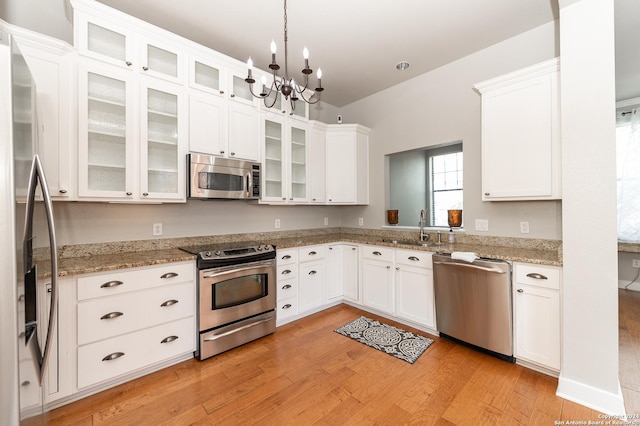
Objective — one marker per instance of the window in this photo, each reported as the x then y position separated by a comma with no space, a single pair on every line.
445,183
628,174
428,179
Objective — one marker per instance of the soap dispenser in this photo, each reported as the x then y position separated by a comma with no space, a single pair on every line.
451,237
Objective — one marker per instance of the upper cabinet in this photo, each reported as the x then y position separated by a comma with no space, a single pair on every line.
347,164
99,35
521,135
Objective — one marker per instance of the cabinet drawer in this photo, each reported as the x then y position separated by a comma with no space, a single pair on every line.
537,275
134,279
113,357
287,257
414,258
311,253
286,308
111,316
377,253
287,289
286,272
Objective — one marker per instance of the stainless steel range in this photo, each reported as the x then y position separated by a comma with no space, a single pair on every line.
236,295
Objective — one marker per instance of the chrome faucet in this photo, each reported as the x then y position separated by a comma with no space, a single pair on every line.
423,235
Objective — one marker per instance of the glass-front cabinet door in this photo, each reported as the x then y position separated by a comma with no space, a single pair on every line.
273,187
105,132
298,163
162,138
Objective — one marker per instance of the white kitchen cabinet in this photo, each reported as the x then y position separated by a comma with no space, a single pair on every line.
376,278
244,132
342,272
311,276
287,283
536,295
347,164
132,136
414,296
105,34
132,319
50,63
207,124
521,135
285,160
317,163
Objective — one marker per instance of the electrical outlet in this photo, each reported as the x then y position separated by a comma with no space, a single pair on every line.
326,221
360,221
524,227
157,229
635,263
277,223
482,225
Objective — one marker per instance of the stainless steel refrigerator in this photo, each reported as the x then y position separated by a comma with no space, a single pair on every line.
28,255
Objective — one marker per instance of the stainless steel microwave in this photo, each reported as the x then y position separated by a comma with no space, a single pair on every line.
214,177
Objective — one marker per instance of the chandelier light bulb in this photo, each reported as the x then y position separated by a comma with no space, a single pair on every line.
249,67
319,73
305,53
273,47
263,80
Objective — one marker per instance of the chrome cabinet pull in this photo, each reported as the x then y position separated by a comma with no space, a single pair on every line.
169,339
169,303
168,275
232,153
486,194
377,253
129,193
413,258
111,315
520,290
128,63
221,152
312,253
286,286
113,356
287,306
145,194
222,92
286,271
25,383
312,272
388,266
145,68
537,276
110,284
21,298
63,191
285,257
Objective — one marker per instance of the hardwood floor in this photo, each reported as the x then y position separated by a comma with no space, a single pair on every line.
307,374
629,347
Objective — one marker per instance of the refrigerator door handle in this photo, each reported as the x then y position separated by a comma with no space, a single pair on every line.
40,356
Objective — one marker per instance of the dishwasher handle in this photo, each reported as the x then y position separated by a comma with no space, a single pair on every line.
464,265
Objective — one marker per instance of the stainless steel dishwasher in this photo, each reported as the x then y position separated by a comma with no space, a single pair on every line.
473,303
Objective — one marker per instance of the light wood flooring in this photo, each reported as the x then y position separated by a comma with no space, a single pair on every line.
307,374
629,337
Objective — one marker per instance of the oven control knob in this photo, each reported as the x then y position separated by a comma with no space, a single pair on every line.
260,247
217,253
267,247
207,254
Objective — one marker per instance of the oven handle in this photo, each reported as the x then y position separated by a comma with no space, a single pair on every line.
226,333
228,271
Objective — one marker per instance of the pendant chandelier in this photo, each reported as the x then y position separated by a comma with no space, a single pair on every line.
285,85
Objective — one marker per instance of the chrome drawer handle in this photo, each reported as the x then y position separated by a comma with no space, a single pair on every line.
377,253
111,284
312,272
169,275
286,271
113,356
537,276
169,303
287,306
169,339
63,191
111,315
25,383
128,63
520,290
413,258
285,257
145,68
312,253
286,286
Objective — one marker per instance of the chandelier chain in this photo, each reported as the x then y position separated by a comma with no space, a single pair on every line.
286,53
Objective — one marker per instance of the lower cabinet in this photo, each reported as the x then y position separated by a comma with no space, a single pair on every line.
342,273
377,278
536,304
287,285
132,319
414,287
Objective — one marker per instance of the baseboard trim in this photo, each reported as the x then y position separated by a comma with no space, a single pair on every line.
589,396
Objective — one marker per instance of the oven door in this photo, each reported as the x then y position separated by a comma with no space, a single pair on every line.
232,293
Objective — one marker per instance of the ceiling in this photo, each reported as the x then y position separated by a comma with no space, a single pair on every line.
356,44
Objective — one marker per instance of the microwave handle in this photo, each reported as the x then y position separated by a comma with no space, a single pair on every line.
249,184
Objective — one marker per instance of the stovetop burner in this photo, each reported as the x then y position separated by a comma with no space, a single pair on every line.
230,253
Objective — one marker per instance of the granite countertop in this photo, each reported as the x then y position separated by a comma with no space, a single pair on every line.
104,257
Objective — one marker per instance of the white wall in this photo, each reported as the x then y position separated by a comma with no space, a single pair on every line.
50,18
589,373
440,107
